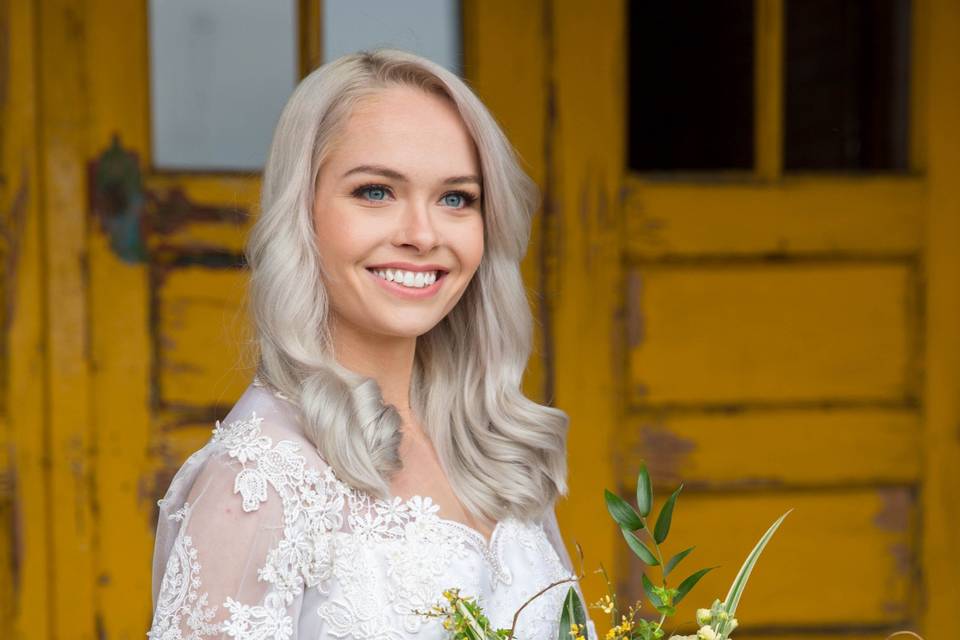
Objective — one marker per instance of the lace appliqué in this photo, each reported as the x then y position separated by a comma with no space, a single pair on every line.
179,593
312,504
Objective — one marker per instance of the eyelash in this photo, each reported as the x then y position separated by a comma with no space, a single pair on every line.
468,198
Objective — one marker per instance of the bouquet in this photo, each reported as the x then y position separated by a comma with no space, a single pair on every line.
465,620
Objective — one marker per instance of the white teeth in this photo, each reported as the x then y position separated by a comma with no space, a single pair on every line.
412,279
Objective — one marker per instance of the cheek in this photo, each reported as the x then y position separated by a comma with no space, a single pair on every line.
338,240
474,245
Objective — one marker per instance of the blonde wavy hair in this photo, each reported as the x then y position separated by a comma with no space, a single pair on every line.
503,453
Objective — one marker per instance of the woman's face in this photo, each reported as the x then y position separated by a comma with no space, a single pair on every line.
397,214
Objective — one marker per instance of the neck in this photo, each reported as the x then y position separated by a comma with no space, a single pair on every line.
386,359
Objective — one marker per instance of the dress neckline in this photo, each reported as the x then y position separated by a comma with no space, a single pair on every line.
486,545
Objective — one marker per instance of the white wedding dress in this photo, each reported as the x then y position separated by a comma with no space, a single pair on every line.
258,539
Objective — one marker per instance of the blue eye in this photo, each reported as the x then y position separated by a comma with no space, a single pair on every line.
453,195
372,189
466,199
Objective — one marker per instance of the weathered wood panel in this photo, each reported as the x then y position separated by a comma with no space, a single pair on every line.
766,332
24,603
793,216
769,449
201,212
200,334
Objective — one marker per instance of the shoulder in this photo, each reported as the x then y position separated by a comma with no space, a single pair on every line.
259,479
261,447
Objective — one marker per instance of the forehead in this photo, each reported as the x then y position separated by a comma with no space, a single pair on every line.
409,130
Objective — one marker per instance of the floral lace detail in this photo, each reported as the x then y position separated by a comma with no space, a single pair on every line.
269,621
179,593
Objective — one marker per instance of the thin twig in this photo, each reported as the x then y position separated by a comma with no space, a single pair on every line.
513,626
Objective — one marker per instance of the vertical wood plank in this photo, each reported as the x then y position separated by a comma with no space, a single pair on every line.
119,303
63,128
920,54
513,83
941,490
25,615
768,88
309,24
588,159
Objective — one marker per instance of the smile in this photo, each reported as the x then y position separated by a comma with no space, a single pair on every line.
415,279
412,285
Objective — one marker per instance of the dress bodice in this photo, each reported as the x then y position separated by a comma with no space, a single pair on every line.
257,538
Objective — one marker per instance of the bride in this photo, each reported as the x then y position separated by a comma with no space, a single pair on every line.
384,451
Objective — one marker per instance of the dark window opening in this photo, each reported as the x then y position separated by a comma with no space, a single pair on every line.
847,84
691,100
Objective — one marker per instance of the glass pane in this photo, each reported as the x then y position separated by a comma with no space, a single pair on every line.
220,73
847,84
691,85
430,28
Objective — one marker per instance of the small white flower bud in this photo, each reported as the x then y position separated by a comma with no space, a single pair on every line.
706,633
732,624
704,616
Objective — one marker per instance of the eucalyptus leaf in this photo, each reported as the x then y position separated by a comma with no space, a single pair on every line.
572,613
689,582
622,512
651,594
740,582
675,560
662,527
639,548
644,492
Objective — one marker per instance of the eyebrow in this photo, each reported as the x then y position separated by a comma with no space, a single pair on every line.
396,175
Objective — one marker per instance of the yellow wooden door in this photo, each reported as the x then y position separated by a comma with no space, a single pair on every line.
773,338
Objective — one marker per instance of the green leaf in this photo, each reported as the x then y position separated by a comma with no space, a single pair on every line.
666,610
649,589
662,527
622,512
740,582
688,583
675,560
644,492
639,548
572,613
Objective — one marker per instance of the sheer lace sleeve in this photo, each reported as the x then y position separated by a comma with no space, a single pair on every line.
213,545
552,530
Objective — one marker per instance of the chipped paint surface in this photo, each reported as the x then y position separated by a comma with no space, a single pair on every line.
117,201
665,452
171,209
895,514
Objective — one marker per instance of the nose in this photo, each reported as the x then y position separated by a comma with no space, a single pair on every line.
417,228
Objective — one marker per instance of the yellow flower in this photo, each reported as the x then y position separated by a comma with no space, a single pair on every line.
605,603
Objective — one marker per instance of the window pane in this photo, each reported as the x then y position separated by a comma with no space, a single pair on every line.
220,71
691,85
847,84
430,28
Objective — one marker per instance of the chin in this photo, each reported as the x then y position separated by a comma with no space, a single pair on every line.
412,330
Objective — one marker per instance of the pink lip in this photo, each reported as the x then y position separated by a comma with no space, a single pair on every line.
408,266
408,292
